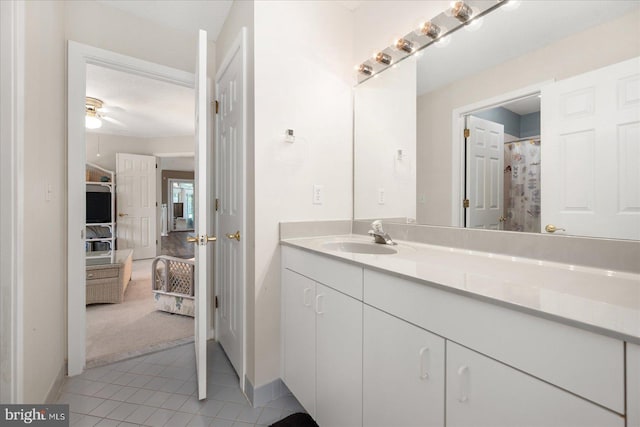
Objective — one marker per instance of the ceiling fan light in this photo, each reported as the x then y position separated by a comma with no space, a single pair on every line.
92,122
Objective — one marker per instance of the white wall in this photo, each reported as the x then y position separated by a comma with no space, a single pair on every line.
176,163
378,23
44,220
385,122
303,81
109,145
615,41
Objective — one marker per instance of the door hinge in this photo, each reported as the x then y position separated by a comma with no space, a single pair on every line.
217,106
156,166
217,204
216,301
156,241
466,133
465,203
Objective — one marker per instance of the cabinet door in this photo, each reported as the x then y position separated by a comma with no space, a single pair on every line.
633,385
299,324
483,392
339,359
403,373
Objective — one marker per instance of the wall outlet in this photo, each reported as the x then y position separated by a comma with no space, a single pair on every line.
381,196
318,194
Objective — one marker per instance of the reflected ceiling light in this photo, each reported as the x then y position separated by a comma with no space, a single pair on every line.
383,58
365,69
92,118
461,11
404,45
431,30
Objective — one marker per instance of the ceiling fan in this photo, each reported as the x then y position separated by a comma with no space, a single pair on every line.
96,111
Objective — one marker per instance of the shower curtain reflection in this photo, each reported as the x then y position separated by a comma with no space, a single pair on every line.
522,182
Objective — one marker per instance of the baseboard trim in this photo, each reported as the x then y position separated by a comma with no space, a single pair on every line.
265,393
56,386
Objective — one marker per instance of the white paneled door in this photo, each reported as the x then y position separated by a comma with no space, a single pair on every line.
230,149
485,181
591,153
202,217
136,204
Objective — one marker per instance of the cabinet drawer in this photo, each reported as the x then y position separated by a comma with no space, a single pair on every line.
339,275
103,273
585,363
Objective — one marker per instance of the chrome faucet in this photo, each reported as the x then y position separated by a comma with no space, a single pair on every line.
379,235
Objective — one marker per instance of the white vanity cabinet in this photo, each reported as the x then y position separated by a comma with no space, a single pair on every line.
403,373
364,347
482,392
322,337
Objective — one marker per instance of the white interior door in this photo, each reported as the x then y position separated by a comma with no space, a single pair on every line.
590,172
485,180
230,261
202,220
136,204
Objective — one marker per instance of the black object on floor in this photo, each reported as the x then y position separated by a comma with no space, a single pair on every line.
296,420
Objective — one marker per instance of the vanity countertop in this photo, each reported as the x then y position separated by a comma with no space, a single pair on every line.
602,301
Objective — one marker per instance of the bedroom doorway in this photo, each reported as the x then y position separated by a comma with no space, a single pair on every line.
129,319
138,316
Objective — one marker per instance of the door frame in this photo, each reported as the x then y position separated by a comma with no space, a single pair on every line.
12,66
79,56
240,43
170,181
458,150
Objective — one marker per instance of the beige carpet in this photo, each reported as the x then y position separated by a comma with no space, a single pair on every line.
118,331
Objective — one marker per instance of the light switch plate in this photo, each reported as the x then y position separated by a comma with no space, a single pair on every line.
381,196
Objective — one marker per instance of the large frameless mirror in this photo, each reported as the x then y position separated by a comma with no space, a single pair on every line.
526,121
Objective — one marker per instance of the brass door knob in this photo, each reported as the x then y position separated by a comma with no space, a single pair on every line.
122,214
234,236
192,239
210,238
550,228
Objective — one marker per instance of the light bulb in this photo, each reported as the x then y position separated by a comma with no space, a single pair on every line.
92,122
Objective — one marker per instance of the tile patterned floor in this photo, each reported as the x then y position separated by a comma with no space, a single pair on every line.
160,390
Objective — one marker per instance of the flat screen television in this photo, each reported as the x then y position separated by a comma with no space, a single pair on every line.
98,207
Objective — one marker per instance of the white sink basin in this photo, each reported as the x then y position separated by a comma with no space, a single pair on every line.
360,248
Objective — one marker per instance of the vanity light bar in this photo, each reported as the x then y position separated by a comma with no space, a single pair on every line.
465,12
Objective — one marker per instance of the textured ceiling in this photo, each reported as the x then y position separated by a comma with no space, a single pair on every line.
140,106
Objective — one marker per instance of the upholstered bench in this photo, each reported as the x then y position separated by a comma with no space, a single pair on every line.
106,283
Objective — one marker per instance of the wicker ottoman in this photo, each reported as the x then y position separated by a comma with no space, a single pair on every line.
106,283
